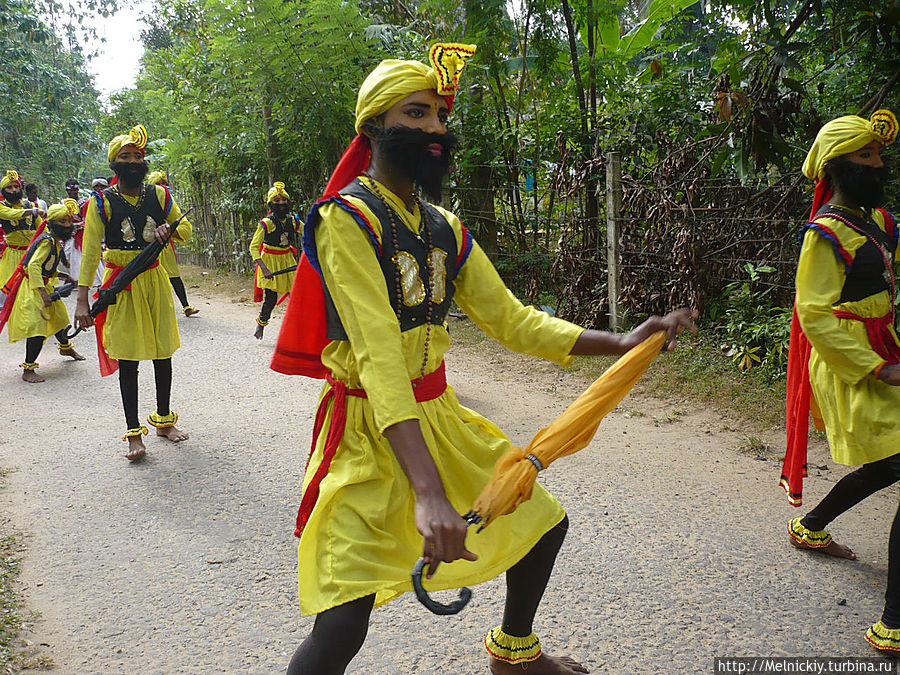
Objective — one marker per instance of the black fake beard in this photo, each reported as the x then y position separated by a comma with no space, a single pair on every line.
11,198
61,232
406,150
131,174
861,184
280,209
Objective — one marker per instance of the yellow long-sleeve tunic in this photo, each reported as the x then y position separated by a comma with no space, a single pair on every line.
17,241
276,256
141,324
861,413
29,317
361,536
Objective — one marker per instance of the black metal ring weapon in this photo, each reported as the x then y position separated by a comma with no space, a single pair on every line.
465,594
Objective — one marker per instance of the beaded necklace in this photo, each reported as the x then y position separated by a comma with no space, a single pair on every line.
398,286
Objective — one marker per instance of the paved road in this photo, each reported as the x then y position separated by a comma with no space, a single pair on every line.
186,563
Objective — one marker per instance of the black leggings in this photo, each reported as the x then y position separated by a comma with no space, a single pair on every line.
128,386
269,300
33,345
180,291
850,491
339,632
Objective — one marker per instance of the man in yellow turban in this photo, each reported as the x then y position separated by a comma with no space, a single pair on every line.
34,315
844,353
19,219
167,258
141,325
395,457
273,249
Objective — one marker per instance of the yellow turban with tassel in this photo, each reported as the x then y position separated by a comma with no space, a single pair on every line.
68,207
158,178
9,177
277,190
847,134
393,80
137,137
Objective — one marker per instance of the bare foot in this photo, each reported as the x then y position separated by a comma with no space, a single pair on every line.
545,665
71,352
190,311
136,449
173,434
834,549
31,376
259,332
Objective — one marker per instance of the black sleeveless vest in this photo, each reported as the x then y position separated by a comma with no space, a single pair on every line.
283,234
866,276
408,262
56,255
29,222
131,227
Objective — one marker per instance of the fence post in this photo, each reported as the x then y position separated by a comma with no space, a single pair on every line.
613,210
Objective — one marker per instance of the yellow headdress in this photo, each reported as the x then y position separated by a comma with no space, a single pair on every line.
157,178
68,207
277,190
845,135
137,137
393,80
9,177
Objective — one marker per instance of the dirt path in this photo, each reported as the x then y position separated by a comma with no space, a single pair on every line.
186,563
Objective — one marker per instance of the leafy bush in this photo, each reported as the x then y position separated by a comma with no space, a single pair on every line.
757,333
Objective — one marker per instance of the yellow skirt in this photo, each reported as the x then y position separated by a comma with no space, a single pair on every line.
26,320
275,262
361,537
169,262
862,420
142,324
8,263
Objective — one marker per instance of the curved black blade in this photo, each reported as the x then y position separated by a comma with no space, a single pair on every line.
465,594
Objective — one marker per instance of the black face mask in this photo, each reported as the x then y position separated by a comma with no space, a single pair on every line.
280,209
61,232
861,184
11,197
131,174
406,150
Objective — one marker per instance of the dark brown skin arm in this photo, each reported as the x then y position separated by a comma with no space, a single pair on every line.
436,519
597,342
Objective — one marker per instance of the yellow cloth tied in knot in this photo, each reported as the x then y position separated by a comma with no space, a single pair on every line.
393,79
10,176
277,190
158,178
847,134
136,137
68,207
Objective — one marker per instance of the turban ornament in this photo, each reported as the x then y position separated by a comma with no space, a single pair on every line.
447,61
11,176
277,190
847,134
136,137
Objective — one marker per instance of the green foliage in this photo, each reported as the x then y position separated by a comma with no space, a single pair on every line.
49,121
757,333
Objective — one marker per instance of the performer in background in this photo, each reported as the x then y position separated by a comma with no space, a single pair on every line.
141,325
273,248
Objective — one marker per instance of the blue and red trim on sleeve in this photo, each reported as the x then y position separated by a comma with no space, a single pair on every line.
841,253
468,242
167,203
98,197
314,218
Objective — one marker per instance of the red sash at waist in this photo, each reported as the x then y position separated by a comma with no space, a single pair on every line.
276,251
428,388
16,248
878,329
